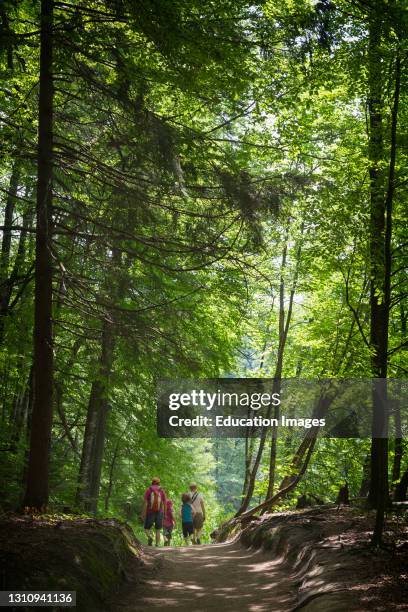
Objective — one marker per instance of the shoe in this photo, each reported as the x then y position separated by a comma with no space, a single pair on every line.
150,541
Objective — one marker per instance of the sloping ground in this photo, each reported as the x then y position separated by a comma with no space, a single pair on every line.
92,557
326,553
317,560
313,560
212,578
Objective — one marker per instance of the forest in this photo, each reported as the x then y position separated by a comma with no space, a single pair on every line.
198,189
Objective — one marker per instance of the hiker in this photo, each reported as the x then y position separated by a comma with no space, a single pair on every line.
168,522
153,510
187,516
197,501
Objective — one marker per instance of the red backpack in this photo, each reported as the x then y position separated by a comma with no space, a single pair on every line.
155,499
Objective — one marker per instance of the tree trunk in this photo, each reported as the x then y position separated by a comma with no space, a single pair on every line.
249,455
95,430
401,488
8,35
8,283
398,440
299,463
6,246
396,467
249,439
380,264
96,471
278,369
28,428
21,409
269,503
377,238
8,221
36,495
365,480
94,436
59,393
251,477
283,336
111,471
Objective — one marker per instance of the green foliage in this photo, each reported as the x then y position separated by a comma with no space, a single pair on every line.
196,146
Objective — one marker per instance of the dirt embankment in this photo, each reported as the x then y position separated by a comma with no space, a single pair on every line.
314,560
327,556
92,557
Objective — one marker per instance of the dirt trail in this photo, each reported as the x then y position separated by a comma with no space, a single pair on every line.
210,577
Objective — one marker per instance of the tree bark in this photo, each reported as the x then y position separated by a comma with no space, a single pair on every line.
6,245
111,470
94,436
380,264
95,475
21,408
398,440
8,36
381,231
396,467
283,491
299,464
249,455
95,430
28,428
283,335
401,488
251,477
365,480
36,495
249,439
8,283
8,221
59,393
377,240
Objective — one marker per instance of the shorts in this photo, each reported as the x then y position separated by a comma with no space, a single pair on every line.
188,529
155,518
167,531
198,520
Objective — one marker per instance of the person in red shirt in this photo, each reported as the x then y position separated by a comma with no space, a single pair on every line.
168,522
153,510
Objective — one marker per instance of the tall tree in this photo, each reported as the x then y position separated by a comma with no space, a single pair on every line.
283,330
381,199
5,281
36,494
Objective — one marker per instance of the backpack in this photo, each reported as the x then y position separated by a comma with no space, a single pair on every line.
155,499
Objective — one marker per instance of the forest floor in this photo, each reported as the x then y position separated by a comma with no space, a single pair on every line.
316,560
210,577
49,552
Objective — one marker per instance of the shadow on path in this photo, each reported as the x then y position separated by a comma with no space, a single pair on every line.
210,577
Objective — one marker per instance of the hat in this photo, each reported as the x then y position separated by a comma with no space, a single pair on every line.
192,485
156,480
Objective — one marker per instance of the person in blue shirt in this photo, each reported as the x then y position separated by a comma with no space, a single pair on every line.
187,514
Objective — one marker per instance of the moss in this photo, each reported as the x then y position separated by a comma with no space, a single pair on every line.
89,556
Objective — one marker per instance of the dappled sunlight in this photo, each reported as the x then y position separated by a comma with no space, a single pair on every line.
295,571
215,577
